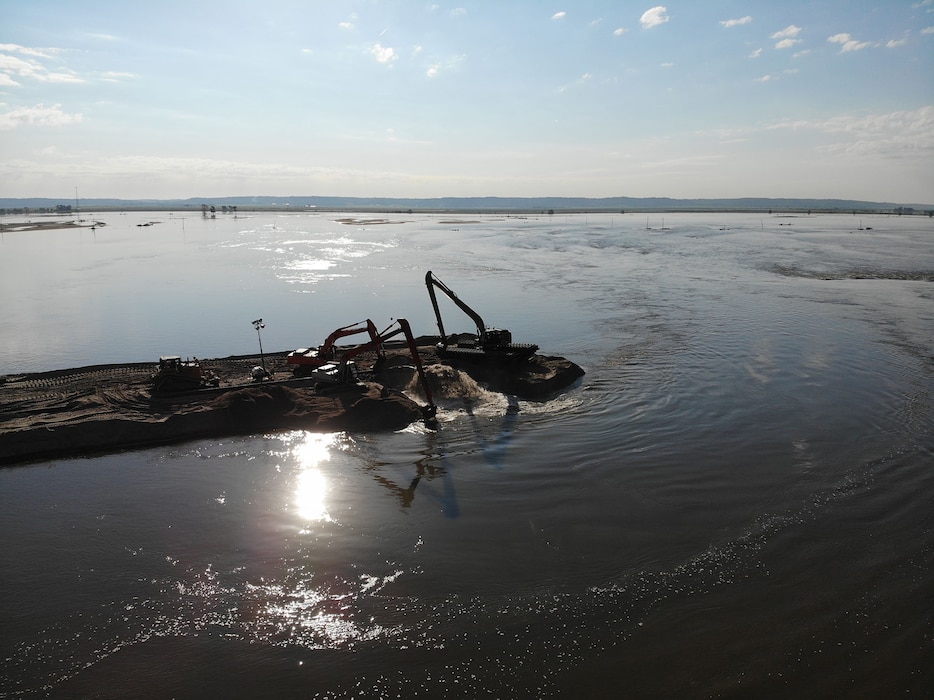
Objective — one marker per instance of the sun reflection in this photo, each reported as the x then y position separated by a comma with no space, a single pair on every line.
311,487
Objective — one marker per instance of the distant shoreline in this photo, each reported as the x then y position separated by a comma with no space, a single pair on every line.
508,206
37,219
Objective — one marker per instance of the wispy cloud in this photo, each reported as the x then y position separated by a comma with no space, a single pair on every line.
452,63
654,17
928,30
728,23
117,76
30,68
848,43
620,31
40,115
559,15
756,53
908,133
27,51
895,43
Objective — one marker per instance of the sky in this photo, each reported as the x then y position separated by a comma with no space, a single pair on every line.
510,98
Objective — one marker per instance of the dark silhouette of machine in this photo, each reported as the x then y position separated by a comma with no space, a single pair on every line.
334,365
489,346
177,375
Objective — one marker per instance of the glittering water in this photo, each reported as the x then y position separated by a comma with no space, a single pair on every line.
736,500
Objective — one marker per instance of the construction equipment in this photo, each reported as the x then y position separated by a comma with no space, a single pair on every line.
306,360
175,375
491,345
344,370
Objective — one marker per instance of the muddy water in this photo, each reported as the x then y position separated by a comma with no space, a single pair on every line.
737,499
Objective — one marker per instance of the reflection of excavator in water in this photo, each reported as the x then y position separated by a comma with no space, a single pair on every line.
328,364
490,346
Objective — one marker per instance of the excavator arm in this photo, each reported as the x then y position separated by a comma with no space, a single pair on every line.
377,344
431,282
327,351
492,345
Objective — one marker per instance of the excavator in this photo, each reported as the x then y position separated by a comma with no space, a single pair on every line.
307,360
344,371
490,346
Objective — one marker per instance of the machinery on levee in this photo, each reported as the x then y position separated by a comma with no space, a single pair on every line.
490,346
177,375
329,365
306,361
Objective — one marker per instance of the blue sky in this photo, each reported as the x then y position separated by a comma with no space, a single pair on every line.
825,98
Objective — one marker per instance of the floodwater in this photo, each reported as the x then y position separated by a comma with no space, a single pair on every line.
737,500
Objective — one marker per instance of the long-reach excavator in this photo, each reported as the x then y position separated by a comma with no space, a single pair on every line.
491,345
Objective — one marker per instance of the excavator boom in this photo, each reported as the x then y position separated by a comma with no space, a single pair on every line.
490,345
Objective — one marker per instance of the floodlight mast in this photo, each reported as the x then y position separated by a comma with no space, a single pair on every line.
257,324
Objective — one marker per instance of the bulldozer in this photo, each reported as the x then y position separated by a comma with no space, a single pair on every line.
177,375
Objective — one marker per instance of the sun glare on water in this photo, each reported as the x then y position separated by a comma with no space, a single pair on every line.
311,486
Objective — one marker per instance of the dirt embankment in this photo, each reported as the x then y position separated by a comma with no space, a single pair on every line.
110,407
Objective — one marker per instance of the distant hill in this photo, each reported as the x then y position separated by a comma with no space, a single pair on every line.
473,204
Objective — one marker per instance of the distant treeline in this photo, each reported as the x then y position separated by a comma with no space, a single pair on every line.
546,205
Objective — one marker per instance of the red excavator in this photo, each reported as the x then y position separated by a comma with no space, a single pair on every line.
490,346
343,370
307,360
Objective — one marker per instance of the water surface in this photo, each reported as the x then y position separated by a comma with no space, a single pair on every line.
737,499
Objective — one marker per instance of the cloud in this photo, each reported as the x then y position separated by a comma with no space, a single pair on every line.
895,43
787,43
7,81
620,31
345,25
29,68
848,43
559,15
16,48
459,12
788,32
756,53
764,79
452,63
928,30
654,17
117,76
40,115
383,54
736,22
895,134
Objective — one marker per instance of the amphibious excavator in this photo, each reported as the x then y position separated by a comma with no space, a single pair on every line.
489,346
